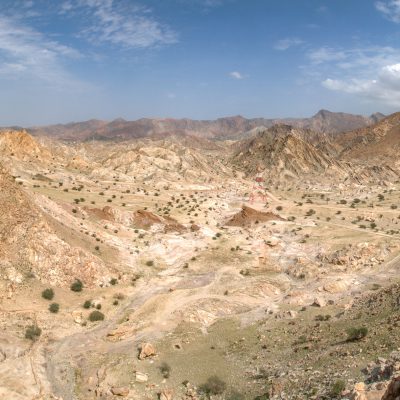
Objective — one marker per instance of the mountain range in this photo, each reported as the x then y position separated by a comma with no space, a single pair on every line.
236,127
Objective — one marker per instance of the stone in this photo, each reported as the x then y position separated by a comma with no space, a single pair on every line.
166,394
146,350
319,302
77,317
360,387
120,391
141,377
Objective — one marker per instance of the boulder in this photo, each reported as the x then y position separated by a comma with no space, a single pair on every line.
141,377
319,302
120,391
146,350
393,390
166,394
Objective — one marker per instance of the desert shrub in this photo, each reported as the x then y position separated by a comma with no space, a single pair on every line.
234,395
264,396
214,385
354,334
96,316
320,317
165,370
48,294
77,286
301,340
150,263
337,388
113,281
32,332
87,304
279,208
115,302
98,306
54,308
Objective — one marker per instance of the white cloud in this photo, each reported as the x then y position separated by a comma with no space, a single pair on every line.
372,73
325,54
121,24
390,9
26,52
285,44
236,75
385,87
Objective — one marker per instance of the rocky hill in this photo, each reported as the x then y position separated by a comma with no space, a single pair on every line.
285,153
30,247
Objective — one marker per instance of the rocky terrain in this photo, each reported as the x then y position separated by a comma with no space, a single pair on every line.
160,265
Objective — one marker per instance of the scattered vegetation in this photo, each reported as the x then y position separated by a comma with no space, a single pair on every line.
48,294
354,334
33,332
213,386
96,316
77,286
337,388
87,304
54,308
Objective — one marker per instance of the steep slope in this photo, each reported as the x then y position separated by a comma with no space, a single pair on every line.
374,150
283,153
21,146
222,128
30,247
381,139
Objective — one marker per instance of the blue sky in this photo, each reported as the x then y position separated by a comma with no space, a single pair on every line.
73,60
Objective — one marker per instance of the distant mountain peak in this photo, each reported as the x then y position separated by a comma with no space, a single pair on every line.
323,113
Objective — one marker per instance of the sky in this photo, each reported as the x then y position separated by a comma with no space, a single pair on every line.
74,60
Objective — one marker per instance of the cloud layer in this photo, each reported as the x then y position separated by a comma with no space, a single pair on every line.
25,51
286,43
372,73
390,9
121,24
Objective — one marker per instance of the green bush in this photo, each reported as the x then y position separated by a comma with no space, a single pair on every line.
337,388
96,316
214,385
236,396
87,304
354,334
32,332
77,286
264,396
54,308
48,294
